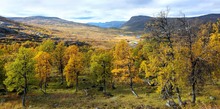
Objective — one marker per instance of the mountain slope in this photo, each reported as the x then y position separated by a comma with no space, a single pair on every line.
207,18
137,23
15,31
69,31
41,20
112,24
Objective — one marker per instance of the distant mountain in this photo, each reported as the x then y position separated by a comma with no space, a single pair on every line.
207,18
112,24
137,23
42,20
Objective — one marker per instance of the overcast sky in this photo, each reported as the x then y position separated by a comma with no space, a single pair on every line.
105,10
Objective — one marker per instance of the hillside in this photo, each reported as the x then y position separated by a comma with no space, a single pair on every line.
15,31
71,31
137,23
112,24
42,20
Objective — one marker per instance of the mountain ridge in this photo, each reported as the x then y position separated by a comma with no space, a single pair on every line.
110,24
137,23
44,20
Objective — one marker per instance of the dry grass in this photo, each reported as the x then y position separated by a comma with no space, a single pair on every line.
65,98
97,37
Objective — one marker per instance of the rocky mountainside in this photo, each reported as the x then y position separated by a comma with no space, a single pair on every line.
12,30
137,23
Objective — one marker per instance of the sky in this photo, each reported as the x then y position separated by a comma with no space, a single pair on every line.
105,10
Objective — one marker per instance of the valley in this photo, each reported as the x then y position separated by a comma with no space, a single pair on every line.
70,31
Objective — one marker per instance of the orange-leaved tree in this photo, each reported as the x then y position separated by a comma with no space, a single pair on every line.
58,55
124,68
74,65
43,68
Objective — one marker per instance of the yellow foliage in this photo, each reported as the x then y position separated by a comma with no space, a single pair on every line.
69,51
73,67
42,66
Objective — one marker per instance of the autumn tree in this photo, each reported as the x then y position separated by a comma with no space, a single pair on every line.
20,71
2,72
101,67
163,31
69,51
213,56
43,68
124,64
59,58
201,50
13,48
47,46
74,66
29,44
2,69
151,61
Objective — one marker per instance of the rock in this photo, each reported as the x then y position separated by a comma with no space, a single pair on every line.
55,105
172,104
212,98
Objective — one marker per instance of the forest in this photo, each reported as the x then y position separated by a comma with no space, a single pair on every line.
176,64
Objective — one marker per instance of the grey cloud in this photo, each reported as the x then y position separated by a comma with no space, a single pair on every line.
82,18
105,10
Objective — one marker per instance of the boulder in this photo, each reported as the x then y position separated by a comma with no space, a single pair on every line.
212,98
172,104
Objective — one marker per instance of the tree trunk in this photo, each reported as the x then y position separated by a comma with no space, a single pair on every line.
25,91
193,92
77,80
193,81
61,73
113,85
131,82
45,86
23,98
41,85
179,97
104,86
104,81
131,87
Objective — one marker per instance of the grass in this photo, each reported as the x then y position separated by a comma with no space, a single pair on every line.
61,97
